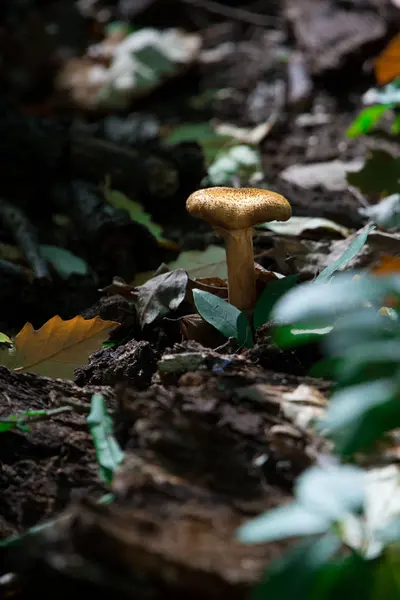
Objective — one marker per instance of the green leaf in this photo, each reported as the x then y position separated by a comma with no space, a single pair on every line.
224,317
269,297
296,575
320,303
63,261
285,521
366,120
332,492
351,251
109,454
360,414
289,336
204,134
379,176
4,339
135,210
326,368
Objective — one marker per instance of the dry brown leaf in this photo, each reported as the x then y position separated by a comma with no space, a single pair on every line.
58,347
387,65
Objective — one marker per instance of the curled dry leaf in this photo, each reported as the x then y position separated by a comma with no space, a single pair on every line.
58,347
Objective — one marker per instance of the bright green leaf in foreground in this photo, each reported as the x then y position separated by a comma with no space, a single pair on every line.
223,316
366,120
109,454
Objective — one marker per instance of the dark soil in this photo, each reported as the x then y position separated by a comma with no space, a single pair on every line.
208,443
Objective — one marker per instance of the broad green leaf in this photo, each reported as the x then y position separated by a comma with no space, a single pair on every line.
384,353
136,211
285,521
269,297
289,336
346,578
360,414
296,575
63,261
351,251
321,302
367,119
332,492
379,176
109,454
224,317
326,368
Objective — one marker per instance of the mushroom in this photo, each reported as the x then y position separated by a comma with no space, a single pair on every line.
233,212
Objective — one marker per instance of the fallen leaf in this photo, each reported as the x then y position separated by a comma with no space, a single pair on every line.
63,261
379,175
58,347
330,175
388,265
202,263
160,295
297,225
136,212
204,134
387,65
385,213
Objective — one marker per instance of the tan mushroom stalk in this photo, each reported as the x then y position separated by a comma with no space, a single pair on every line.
233,212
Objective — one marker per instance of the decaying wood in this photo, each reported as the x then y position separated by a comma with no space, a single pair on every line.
207,447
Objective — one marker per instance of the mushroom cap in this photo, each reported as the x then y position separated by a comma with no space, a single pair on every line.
237,208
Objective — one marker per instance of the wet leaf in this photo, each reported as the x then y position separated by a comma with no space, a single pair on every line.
224,317
380,175
297,225
63,261
160,295
58,347
366,120
269,297
109,454
351,251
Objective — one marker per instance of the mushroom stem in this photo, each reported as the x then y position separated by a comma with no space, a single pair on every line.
241,272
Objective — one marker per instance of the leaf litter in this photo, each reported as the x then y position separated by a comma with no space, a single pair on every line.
225,411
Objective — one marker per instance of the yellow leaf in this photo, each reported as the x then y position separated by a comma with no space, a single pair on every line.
58,347
387,66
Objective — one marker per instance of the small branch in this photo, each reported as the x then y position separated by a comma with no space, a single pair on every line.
24,233
236,14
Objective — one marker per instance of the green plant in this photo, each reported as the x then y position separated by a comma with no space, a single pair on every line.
382,100
233,323
345,550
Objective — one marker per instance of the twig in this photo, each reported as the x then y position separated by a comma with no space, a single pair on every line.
237,14
24,233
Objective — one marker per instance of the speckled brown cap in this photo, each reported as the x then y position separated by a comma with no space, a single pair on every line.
237,208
